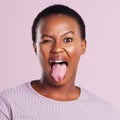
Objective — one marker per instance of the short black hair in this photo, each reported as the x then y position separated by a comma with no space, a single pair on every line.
58,9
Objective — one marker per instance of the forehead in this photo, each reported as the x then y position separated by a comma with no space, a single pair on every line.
61,20
59,16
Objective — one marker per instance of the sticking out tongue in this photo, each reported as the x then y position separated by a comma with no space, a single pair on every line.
58,71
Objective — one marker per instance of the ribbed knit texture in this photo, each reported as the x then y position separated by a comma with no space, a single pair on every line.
24,103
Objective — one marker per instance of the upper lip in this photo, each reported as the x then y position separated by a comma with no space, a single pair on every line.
58,60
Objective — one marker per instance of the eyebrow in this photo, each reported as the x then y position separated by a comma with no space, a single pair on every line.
45,35
50,36
68,33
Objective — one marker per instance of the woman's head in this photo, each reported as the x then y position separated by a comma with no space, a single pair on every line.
58,9
59,41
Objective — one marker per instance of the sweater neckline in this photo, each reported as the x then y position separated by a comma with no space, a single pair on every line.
52,100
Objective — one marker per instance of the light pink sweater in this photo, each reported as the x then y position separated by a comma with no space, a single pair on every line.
24,103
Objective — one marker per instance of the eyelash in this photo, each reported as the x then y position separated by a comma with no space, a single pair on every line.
46,41
68,39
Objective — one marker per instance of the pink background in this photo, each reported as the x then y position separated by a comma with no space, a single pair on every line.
99,68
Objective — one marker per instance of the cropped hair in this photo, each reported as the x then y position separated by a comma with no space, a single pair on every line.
58,9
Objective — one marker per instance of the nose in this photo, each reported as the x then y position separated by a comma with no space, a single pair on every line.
57,48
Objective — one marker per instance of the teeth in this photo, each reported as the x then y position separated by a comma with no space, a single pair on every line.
57,61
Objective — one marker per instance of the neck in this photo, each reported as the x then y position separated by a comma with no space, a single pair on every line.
62,93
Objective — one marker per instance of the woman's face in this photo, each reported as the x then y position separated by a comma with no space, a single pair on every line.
59,47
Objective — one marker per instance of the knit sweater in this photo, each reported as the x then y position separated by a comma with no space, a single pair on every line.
24,103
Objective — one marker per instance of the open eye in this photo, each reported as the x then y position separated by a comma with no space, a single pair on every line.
68,40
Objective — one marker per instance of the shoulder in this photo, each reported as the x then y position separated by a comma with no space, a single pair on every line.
99,104
14,91
91,97
13,94
94,101
10,97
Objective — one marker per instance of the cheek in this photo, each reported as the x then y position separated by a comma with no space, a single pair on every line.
43,54
74,52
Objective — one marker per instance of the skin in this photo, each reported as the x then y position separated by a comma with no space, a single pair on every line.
58,37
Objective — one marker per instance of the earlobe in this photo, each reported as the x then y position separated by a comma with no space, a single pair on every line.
83,46
35,48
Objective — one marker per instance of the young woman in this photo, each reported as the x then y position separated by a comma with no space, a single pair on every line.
58,35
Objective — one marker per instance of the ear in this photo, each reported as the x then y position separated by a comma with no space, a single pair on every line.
83,46
35,48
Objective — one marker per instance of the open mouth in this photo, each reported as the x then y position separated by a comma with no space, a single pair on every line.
60,62
58,69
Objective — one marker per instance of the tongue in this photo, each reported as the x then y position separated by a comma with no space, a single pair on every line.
58,71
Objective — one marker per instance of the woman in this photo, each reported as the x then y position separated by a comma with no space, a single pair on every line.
58,34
